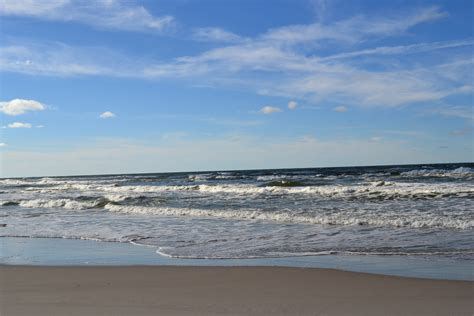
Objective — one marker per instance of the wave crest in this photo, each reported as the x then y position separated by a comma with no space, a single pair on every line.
414,221
64,203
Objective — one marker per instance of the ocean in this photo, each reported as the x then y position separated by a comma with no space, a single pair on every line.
406,210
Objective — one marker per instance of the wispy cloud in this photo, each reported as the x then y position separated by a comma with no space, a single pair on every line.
3,144
215,34
317,78
464,112
320,8
58,59
20,106
351,85
106,14
354,29
403,49
275,62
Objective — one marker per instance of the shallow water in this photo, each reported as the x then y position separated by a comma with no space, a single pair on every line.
76,252
391,211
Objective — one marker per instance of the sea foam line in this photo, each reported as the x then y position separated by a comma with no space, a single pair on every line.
341,218
414,221
380,189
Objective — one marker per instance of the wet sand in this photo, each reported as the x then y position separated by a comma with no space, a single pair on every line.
165,290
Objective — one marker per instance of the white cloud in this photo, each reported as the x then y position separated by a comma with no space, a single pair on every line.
340,109
354,29
345,83
39,126
269,110
3,144
30,7
397,50
465,112
56,59
19,125
20,106
107,115
292,105
301,73
215,34
310,76
320,8
110,14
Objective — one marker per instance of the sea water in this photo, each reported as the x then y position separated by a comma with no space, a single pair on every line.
393,211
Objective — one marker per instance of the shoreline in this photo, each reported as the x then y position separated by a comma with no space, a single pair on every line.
172,290
58,252
55,276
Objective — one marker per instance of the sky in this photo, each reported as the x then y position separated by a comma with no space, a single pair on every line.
109,86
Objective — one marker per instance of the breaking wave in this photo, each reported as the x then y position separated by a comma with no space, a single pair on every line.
370,190
64,203
343,217
377,210
460,172
414,221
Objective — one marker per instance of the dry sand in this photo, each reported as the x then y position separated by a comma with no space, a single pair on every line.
162,290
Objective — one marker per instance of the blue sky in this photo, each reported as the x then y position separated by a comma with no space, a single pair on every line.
114,86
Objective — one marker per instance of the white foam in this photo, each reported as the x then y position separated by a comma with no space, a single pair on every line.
117,197
168,252
381,183
270,178
201,177
456,173
60,203
371,190
342,218
14,182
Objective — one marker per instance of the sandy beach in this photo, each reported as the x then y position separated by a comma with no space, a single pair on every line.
159,290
